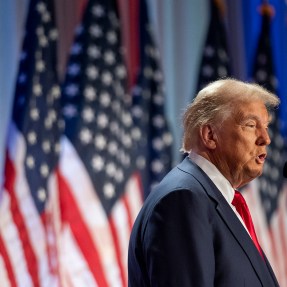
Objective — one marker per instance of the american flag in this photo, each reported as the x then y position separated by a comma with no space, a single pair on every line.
268,195
99,188
155,154
27,242
215,63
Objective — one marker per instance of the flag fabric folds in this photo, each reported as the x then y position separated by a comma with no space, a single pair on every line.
155,145
27,241
215,62
100,191
268,194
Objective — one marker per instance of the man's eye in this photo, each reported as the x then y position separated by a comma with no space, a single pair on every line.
251,125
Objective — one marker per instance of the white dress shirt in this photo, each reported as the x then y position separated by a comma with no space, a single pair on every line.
218,179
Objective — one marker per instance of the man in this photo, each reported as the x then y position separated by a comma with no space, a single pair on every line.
188,232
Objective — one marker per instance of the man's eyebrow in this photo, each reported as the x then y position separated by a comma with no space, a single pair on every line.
254,117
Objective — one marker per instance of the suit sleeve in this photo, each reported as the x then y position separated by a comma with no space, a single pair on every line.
178,241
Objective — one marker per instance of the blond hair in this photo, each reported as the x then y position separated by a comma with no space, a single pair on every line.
213,104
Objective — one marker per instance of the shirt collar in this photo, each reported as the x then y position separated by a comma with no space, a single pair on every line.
215,175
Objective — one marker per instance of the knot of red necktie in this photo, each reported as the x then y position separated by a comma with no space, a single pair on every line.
242,208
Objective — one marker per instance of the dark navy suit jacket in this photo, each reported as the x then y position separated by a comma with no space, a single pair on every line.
187,235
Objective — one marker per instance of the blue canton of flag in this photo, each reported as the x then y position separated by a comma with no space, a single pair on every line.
37,99
272,179
215,63
100,188
27,242
155,154
96,107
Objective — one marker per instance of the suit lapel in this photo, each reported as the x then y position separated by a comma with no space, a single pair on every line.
261,268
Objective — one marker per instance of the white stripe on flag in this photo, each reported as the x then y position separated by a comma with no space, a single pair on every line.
75,268
27,207
13,244
4,280
91,209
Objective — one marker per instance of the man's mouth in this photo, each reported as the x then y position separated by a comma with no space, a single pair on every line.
261,158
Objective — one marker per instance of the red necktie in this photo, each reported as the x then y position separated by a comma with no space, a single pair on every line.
242,208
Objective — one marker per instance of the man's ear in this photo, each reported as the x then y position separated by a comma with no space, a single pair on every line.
208,136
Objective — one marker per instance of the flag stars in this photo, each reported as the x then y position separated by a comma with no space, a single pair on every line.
41,194
157,144
102,120
114,127
53,34
96,31
109,57
73,69
22,78
79,30
100,142
158,121
105,99
88,115
112,37
156,166
98,10
46,17
32,138
94,52
261,75
34,114
126,140
109,190
56,91
136,133
97,163
110,169
127,119
76,49
112,148
72,90
121,71
85,136
209,51
30,162
23,56
46,146
37,89
158,99
119,176
57,147
40,66
107,78
41,7
92,72
90,93
44,170
43,41
207,71
70,111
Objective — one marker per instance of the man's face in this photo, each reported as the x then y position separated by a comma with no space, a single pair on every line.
242,140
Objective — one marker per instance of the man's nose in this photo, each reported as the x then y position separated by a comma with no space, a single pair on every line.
263,138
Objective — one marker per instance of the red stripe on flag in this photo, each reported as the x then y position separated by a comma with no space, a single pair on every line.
7,263
118,251
70,213
128,210
30,257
